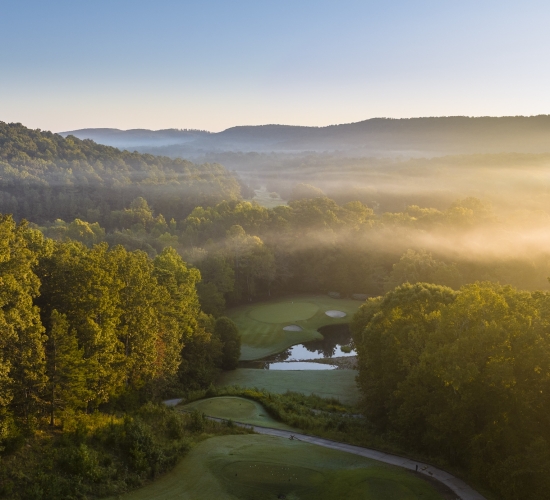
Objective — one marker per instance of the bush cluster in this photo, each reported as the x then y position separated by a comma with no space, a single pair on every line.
102,455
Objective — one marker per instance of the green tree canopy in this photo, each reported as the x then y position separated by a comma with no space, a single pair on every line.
226,330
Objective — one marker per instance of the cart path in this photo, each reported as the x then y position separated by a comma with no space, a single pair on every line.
459,487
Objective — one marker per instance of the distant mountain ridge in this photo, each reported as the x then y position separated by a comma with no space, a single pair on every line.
431,136
136,137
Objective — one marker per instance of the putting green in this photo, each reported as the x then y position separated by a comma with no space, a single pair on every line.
237,409
339,384
261,325
255,467
283,312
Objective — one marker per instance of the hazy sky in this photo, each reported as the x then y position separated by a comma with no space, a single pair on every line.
213,64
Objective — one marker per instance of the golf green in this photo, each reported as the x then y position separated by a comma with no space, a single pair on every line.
283,312
256,467
237,409
261,325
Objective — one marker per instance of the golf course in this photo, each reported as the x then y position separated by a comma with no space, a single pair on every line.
257,467
270,327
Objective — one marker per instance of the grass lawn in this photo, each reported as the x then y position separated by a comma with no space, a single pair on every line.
237,409
338,384
254,467
261,325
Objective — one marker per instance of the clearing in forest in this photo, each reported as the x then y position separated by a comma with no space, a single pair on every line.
257,467
262,325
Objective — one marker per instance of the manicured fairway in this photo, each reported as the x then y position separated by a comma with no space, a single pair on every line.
338,384
237,409
261,325
254,467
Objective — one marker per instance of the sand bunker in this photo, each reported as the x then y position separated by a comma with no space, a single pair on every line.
292,328
336,314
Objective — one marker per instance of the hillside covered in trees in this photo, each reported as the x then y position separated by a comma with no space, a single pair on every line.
97,331
44,176
113,293
373,137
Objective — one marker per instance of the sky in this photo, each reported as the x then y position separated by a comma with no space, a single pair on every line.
212,64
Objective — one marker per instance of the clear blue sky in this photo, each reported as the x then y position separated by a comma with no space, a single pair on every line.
212,64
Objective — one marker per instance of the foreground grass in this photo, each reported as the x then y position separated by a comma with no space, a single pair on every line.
261,325
338,384
257,467
331,419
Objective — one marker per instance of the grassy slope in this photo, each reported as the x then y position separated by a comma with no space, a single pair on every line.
237,409
263,467
261,327
339,384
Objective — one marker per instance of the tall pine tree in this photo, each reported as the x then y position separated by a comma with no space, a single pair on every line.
65,367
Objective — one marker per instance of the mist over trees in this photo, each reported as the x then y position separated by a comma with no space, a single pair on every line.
114,292
246,252
374,137
45,177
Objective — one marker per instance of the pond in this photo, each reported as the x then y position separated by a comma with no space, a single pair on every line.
297,356
299,365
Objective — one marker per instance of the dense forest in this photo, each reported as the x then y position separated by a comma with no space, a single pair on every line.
86,326
246,252
88,329
45,177
116,269
463,375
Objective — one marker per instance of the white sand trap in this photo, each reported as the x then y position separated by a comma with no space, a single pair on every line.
292,328
336,314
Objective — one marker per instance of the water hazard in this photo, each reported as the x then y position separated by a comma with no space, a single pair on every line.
300,357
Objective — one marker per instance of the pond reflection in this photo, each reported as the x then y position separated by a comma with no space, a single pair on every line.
334,338
299,365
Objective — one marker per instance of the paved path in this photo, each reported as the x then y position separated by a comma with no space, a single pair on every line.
462,490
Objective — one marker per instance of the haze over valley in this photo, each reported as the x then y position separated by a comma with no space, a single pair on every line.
275,250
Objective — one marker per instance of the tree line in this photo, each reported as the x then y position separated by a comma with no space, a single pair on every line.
464,376
92,193
84,327
245,251
44,176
